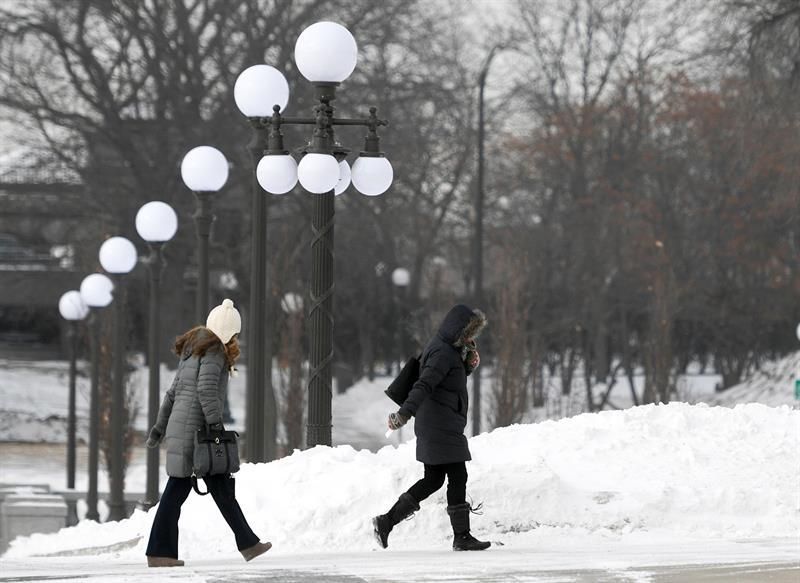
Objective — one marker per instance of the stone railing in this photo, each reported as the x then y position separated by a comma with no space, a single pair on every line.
26,509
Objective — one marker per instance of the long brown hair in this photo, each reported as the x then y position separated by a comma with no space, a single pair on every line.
201,340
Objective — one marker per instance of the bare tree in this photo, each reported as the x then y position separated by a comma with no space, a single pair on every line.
513,363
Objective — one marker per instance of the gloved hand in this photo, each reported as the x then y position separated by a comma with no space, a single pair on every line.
471,360
216,427
397,420
154,438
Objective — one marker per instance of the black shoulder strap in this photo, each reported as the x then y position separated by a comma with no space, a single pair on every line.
196,487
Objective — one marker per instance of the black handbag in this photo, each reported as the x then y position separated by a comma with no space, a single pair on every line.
401,386
216,451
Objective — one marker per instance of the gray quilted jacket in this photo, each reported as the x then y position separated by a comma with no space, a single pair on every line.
195,398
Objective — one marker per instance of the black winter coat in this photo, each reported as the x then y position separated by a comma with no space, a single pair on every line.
439,399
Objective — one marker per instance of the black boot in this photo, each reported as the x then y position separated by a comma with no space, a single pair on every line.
462,539
402,509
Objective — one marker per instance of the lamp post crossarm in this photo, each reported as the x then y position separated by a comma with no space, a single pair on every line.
337,121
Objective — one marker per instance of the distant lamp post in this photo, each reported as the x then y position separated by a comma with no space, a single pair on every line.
257,90
118,256
439,264
156,223
477,260
292,306
96,292
401,278
73,309
326,54
204,171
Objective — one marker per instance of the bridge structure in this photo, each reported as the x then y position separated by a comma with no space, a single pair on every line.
42,211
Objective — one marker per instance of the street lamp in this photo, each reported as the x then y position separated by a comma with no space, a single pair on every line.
204,171
477,262
96,293
156,223
326,54
72,309
292,306
118,257
401,278
257,89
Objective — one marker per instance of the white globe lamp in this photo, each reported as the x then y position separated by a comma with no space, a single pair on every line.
372,175
96,290
318,173
72,307
204,169
277,173
401,277
292,303
118,255
326,52
258,89
156,222
344,178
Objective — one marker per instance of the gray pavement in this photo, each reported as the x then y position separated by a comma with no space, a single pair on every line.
498,566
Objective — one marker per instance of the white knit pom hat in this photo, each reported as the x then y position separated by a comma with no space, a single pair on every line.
224,321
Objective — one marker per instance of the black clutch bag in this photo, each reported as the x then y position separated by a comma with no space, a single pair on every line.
401,386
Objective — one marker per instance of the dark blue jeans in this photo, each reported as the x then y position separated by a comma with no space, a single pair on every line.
164,533
434,479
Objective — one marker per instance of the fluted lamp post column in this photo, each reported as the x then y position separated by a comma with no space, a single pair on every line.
96,293
118,257
73,309
156,223
204,170
326,54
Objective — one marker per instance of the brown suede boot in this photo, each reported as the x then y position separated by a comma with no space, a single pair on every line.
255,550
163,562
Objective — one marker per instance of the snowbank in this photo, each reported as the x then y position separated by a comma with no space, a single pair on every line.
678,469
773,385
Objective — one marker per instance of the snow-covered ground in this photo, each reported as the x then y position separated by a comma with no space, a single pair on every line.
674,472
772,385
634,495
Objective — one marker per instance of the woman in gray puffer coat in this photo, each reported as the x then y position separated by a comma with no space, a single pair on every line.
194,400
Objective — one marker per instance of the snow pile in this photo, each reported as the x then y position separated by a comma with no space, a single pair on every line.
677,469
772,385
359,416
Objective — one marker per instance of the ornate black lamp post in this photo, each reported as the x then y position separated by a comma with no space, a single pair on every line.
156,223
326,54
118,257
73,309
204,171
96,293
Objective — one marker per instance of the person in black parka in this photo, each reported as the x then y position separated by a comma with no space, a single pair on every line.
439,401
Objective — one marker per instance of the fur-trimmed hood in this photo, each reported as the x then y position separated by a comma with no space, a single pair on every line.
461,323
